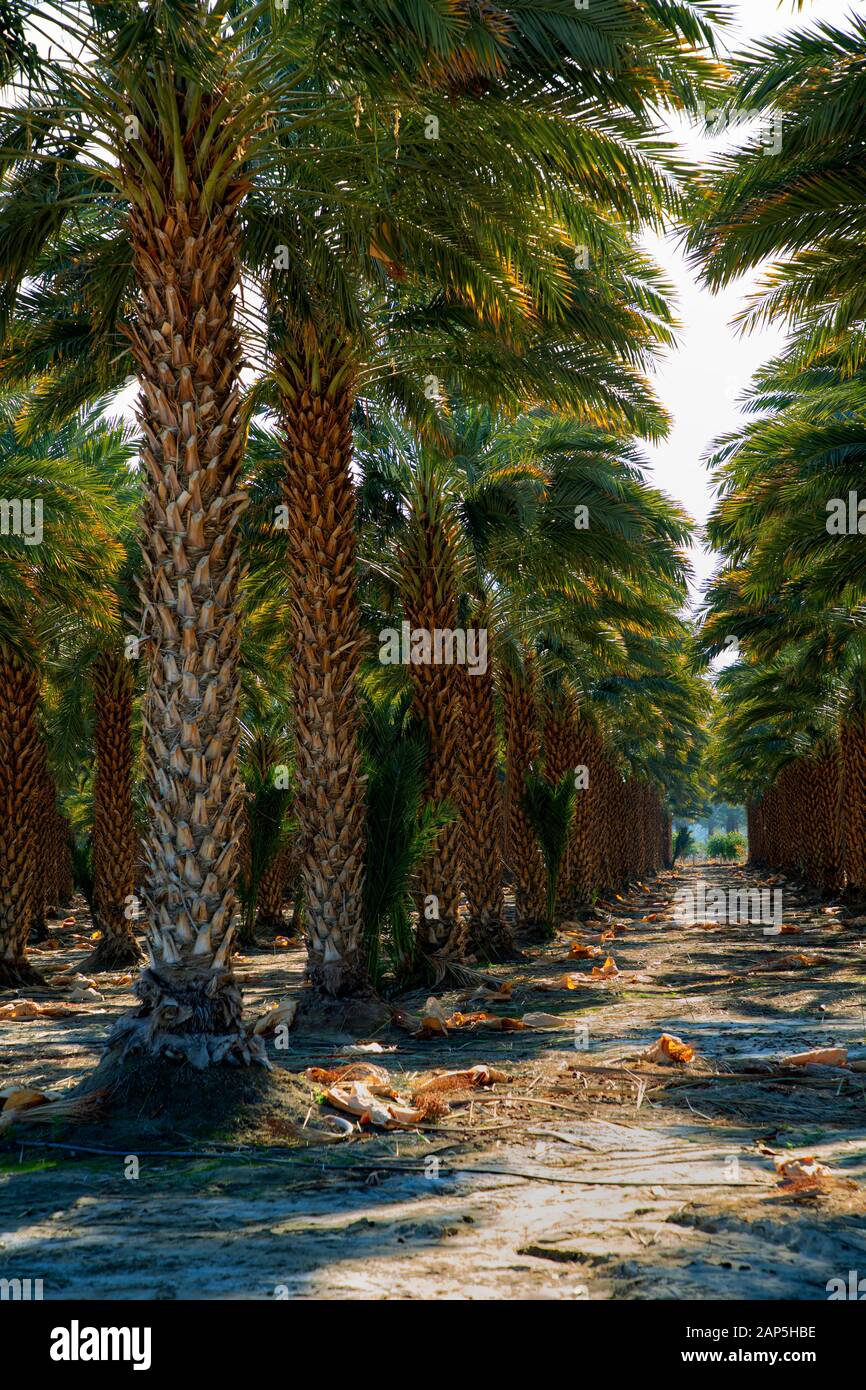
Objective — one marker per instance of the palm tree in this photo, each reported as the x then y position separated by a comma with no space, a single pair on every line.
149,142
791,203
55,568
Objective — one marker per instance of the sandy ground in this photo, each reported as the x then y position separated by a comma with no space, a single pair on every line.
587,1174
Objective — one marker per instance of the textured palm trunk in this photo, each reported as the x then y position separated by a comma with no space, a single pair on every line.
316,409
585,849
429,589
523,856
828,871
188,359
667,840
853,808
272,893
43,808
559,737
60,858
19,770
604,820
482,813
114,838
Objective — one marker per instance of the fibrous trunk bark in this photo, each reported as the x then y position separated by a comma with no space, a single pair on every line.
321,546
482,818
19,770
114,838
853,808
522,854
428,587
188,358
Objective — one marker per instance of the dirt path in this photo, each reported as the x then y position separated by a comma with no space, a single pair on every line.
587,1174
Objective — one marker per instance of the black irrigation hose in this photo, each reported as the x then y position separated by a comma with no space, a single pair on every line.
400,1167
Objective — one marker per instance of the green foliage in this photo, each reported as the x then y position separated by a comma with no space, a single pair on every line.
401,830
550,810
82,868
684,843
729,846
268,821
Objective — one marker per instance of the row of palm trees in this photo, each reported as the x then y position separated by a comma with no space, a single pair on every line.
375,277
792,728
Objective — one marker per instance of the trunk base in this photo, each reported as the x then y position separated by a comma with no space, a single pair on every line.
191,1014
361,1014
14,974
339,979
111,953
492,941
160,1099
38,931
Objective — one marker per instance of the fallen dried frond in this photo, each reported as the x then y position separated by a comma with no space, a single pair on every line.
21,1009
819,1056
72,1108
479,1075
669,1051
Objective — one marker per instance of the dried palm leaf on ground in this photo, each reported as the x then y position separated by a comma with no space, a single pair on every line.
282,1013
357,1099
819,1057
669,1050
21,1009
808,1176
376,1079
84,1107
581,952
479,1075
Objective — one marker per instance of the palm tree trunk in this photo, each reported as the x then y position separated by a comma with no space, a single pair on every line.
428,587
829,874
19,767
42,810
188,357
321,547
523,856
853,746
582,860
114,838
481,808
272,892
62,856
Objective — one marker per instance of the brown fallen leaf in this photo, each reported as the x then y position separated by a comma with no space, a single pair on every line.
580,952
281,1014
22,1009
65,1108
376,1079
479,1075
281,941
819,1057
669,1051
22,1098
607,970
357,1099
541,1020
808,1175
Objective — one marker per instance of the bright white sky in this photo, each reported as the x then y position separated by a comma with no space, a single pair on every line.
700,381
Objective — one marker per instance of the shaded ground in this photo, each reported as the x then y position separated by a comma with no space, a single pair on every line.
588,1173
